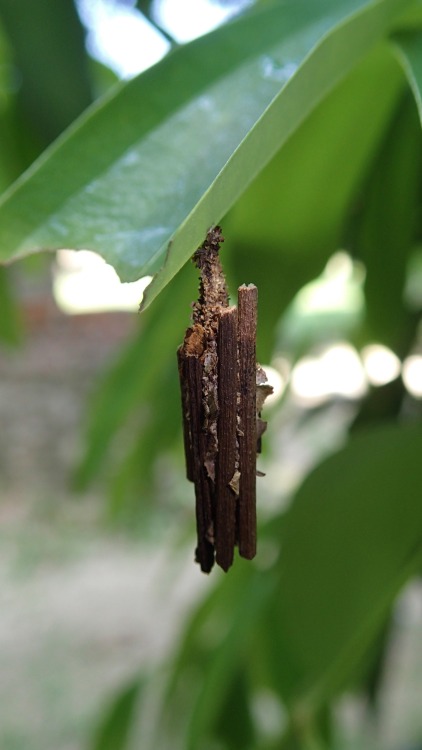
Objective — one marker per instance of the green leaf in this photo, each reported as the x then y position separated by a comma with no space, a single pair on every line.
235,726
11,325
297,206
408,48
353,537
215,650
142,176
49,52
285,213
12,162
114,730
389,222
232,651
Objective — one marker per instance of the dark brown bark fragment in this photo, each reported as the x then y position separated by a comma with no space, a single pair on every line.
186,415
247,319
226,499
193,370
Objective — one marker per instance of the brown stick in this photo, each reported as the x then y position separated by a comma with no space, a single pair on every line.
247,312
204,518
226,499
186,415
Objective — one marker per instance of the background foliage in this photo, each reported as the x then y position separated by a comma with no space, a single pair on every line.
297,125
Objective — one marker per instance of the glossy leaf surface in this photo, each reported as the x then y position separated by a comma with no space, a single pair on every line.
166,156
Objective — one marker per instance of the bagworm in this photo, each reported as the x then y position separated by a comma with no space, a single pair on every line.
223,391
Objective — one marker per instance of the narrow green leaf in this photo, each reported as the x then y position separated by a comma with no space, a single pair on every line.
114,730
352,539
216,646
152,167
235,727
11,325
390,218
408,48
225,659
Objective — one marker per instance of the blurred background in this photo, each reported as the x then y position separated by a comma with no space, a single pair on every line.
103,613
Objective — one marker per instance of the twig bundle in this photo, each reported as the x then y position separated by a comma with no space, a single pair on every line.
222,427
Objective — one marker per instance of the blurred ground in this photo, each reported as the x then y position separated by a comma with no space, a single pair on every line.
43,388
